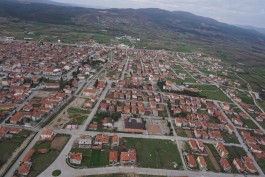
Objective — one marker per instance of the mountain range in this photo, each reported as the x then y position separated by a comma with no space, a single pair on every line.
158,29
260,30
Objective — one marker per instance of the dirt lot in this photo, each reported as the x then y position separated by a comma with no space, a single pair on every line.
59,142
63,118
43,94
188,133
78,103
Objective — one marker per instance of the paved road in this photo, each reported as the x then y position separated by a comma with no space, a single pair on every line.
20,106
251,93
131,135
29,147
94,110
240,107
15,154
70,172
125,66
172,125
60,162
240,140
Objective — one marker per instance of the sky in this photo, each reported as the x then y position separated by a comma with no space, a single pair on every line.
239,12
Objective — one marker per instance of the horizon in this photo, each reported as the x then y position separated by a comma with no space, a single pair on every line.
238,12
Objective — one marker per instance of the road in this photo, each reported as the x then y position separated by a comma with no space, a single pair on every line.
94,110
144,136
126,65
70,172
60,162
240,140
15,153
20,158
20,106
89,81
251,93
240,107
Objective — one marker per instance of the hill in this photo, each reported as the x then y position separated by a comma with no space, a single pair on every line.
261,30
158,29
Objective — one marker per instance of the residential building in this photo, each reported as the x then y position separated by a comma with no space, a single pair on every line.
75,158
113,157
128,157
201,162
221,150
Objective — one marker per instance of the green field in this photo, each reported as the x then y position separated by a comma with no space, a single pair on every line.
261,104
230,138
7,147
250,124
180,132
261,163
42,161
257,82
77,111
212,149
245,98
152,153
210,166
187,48
235,152
78,116
211,92
186,80
93,158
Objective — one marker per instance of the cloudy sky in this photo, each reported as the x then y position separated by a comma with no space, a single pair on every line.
243,12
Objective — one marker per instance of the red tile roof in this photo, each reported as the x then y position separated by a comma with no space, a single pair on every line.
113,155
28,156
128,156
24,168
76,156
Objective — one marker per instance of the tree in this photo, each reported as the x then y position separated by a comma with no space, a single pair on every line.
115,116
74,74
96,83
262,94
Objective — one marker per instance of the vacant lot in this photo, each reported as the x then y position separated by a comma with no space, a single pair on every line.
249,123
43,94
230,138
234,152
77,115
42,161
181,132
59,142
244,97
213,156
211,92
7,147
93,158
153,153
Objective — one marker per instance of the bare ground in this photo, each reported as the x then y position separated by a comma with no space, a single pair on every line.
59,142
63,117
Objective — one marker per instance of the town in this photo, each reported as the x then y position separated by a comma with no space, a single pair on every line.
91,109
